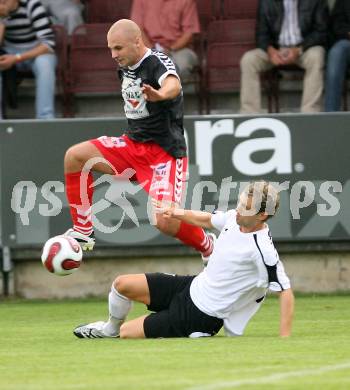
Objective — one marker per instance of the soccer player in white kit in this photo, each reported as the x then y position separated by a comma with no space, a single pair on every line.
228,292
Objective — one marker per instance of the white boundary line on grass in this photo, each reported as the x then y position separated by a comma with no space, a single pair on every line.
271,378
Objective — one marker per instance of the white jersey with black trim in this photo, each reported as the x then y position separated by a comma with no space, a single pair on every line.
240,270
160,122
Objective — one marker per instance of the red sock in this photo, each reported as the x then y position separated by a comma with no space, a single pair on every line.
79,194
195,236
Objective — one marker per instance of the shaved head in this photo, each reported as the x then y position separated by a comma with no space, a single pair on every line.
125,42
125,27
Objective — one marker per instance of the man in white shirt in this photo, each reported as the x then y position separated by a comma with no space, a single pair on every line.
228,292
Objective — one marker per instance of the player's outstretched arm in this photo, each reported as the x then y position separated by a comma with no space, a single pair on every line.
286,312
197,218
170,89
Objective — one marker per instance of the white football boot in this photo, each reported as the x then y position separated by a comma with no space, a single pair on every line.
95,330
86,242
205,259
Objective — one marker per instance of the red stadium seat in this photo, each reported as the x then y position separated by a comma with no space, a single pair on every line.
208,10
223,69
62,63
232,31
91,67
107,11
228,40
239,9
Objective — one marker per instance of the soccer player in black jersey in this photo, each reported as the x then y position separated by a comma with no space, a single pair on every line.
153,144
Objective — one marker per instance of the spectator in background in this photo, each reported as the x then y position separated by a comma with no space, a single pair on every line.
65,12
288,32
168,26
28,40
338,56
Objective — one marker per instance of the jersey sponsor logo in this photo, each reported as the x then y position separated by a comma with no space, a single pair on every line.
167,193
112,142
134,102
160,179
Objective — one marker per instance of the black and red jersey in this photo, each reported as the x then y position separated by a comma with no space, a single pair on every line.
160,122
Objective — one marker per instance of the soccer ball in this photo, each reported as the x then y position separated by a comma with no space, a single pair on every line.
62,255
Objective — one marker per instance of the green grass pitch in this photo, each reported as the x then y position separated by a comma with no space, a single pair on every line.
39,352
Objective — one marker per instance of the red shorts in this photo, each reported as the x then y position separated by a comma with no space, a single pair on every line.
161,175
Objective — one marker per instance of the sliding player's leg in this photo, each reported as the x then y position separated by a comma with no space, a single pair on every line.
155,290
133,329
174,313
162,294
124,290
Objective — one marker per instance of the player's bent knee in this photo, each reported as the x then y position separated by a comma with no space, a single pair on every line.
247,60
161,224
75,155
121,284
167,226
127,285
134,287
70,153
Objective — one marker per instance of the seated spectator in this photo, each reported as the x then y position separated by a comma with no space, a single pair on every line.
288,32
28,40
65,12
168,26
338,56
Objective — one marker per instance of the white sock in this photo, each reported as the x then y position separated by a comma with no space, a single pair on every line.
119,307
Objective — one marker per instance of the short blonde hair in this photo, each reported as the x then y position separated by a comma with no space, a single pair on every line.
266,198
